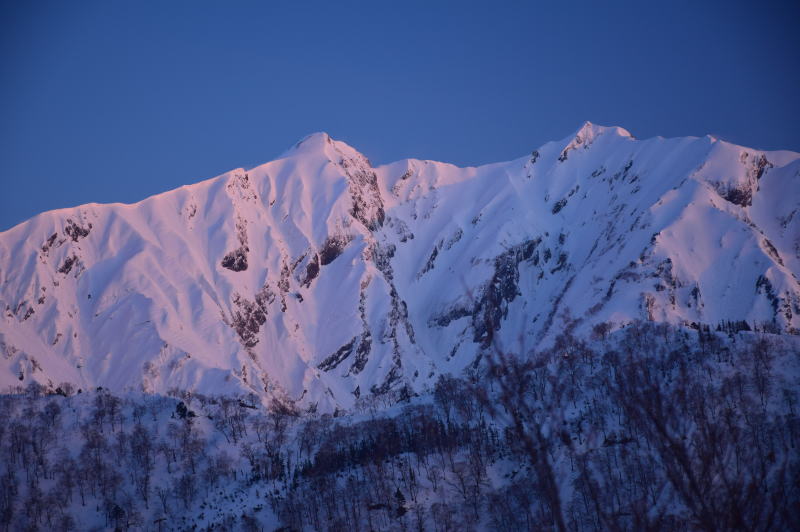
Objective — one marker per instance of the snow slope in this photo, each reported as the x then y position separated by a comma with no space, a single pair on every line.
319,278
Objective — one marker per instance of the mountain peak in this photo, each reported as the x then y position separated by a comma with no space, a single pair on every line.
316,137
586,135
589,131
322,143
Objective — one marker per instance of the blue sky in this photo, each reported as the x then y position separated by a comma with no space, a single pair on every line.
115,101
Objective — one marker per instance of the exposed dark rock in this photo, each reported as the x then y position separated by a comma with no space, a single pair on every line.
312,270
492,307
786,307
75,231
548,321
362,353
452,314
649,305
764,286
392,377
241,230
580,140
339,356
429,264
367,205
627,168
577,141
365,341
49,243
695,294
772,252
332,248
559,205
400,182
738,195
305,268
69,263
453,240
359,212
760,165
264,297
382,257
249,316
741,194
401,229
561,264
239,185
283,284
236,260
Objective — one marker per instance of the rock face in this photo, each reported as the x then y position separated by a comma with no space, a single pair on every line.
319,277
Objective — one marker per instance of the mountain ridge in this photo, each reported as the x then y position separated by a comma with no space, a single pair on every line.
317,277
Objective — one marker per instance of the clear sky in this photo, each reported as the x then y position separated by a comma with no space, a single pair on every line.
115,101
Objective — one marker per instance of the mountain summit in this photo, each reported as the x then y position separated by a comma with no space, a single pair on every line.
320,278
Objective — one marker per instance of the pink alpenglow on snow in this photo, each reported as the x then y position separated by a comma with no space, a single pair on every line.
318,277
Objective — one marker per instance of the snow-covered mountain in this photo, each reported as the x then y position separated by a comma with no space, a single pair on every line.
321,278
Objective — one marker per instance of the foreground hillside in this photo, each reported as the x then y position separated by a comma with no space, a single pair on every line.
320,279
649,428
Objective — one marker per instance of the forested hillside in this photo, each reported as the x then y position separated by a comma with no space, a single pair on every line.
649,427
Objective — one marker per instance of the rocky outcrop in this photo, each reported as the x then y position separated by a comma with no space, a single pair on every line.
491,306
248,316
75,231
236,260
367,204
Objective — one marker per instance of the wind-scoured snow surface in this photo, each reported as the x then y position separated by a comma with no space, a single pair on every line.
319,278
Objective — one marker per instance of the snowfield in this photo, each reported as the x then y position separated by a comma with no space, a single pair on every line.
318,278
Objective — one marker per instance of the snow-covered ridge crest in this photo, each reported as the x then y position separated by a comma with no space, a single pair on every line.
321,278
